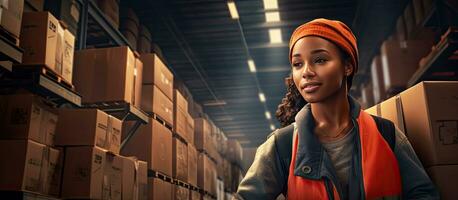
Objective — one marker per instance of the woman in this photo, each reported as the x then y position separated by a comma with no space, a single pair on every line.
330,148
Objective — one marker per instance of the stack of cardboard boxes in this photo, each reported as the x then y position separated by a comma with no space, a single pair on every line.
427,113
32,163
11,17
91,140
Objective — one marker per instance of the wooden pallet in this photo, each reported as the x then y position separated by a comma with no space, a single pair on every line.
160,120
46,71
181,183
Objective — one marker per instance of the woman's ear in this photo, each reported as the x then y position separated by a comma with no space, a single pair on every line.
348,68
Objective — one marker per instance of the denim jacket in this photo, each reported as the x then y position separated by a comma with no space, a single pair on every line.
268,176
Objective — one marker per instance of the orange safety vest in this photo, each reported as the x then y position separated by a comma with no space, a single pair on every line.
381,176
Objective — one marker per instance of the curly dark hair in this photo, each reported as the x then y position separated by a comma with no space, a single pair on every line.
293,101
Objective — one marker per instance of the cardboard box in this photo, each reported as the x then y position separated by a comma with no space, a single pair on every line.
46,42
445,177
206,174
26,116
106,74
141,180
91,128
202,131
11,16
24,161
111,10
181,123
51,171
377,80
180,101
194,195
138,79
374,110
144,40
219,170
67,56
128,177
399,64
83,173
67,11
154,100
234,151
159,189
196,111
114,134
112,177
391,109
180,193
179,160
190,128
156,72
129,25
192,165
220,193
153,144
430,114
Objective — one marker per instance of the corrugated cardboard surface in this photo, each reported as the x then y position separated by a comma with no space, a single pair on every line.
399,64
26,116
431,121
180,160
21,165
82,127
156,72
195,195
159,189
202,135
154,100
153,144
181,123
52,171
190,128
83,172
11,16
180,193
180,101
192,165
446,179
141,180
391,109
105,74
112,177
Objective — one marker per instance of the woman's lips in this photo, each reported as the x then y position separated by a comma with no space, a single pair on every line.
309,88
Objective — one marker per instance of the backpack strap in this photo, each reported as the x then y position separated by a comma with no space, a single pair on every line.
387,129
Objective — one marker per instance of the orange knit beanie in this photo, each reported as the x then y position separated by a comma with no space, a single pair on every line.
332,30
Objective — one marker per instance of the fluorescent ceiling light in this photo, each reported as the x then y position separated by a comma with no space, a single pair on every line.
272,127
214,103
233,9
275,35
272,16
251,65
268,115
262,98
270,4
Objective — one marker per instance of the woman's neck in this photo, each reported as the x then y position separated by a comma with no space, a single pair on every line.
332,116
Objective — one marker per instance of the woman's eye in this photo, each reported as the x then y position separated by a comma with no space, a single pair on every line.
320,60
297,64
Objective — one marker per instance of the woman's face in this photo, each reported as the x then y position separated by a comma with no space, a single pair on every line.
318,68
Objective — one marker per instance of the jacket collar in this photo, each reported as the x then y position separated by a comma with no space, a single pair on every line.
310,154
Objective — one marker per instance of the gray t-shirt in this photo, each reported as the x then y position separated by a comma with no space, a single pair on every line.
340,153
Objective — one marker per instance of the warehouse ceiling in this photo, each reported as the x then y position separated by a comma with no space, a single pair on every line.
209,51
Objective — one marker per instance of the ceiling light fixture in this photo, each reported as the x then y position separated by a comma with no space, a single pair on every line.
272,16
272,127
233,10
262,98
268,115
251,65
275,35
270,4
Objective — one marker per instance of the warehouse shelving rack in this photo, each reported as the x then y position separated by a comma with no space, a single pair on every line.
96,31
14,77
441,62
